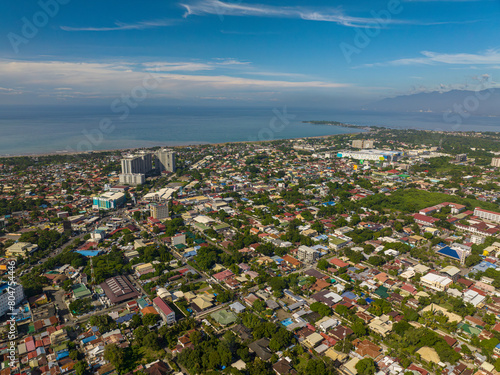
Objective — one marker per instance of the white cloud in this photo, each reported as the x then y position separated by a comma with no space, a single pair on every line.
488,57
220,8
107,79
123,26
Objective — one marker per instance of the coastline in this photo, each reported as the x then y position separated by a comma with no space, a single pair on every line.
67,153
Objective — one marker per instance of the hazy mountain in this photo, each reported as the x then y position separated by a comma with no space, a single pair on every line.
486,102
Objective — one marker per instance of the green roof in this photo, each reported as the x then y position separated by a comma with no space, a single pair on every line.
60,347
382,292
201,226
221,226
472,331
336,240
224,317
81,291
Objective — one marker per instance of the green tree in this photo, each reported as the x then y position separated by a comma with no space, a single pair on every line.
115,355
366,366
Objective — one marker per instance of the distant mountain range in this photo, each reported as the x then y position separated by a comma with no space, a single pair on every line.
484,103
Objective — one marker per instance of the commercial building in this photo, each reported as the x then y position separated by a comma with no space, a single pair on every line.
20,249
375,155
436,282
165,160
307,254
119,289
362,143
17,293
132,179
159,211
108,201
487,215
166,313
495,162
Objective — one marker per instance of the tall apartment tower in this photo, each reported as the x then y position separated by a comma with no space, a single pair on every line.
138,163
495,162
135,168
166,160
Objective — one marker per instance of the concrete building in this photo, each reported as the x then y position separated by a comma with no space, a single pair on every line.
487,215
132,179
495,162
20,249
108,201
17,293
135,168
362,143
307,254
461,158
165,160
372,154
166,313
436,282
119,289
159,211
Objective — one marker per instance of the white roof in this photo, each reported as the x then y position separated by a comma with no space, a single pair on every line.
433,278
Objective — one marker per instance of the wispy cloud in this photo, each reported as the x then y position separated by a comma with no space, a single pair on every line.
71,79
124,26
220,8
193,66
491,56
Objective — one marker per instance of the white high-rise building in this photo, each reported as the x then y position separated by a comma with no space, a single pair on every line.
166,160
17,296
135,168
495,162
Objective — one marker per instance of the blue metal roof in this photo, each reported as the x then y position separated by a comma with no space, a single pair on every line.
88,339
448,251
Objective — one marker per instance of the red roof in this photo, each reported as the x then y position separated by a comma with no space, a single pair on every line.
162,306
337,262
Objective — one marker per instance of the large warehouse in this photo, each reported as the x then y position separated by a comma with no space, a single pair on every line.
119,289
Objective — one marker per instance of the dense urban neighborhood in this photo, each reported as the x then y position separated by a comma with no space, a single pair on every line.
369,253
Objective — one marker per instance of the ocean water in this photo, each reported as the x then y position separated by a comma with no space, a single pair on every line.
26,130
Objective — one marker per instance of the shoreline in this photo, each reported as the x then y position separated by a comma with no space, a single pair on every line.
67,153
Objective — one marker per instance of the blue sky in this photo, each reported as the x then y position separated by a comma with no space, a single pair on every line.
210,52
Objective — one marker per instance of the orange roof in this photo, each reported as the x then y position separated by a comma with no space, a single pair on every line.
149,310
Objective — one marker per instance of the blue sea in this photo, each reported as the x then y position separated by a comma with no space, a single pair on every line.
27,130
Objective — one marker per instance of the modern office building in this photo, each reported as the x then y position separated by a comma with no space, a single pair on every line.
17,292
495,162
165,160
159,211
108,201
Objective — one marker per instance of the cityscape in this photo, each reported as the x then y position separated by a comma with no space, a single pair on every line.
250,187
363,253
